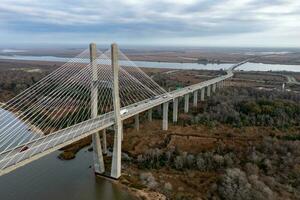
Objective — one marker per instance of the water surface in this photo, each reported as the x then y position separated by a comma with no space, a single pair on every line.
52,179
247,67
13,131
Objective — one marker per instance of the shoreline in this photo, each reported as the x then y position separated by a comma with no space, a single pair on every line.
140,193
186,61
48,66
137,194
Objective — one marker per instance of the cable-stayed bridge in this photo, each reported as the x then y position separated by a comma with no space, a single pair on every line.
91,92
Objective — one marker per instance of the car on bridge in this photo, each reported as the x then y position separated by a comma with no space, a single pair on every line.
123,111
24,148
155,97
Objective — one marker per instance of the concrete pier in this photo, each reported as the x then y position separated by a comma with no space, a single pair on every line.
186,103
104,142
122,131
202,94
159,109
221,84
214,88
195,98
117,148
150,115
96,142
97,154
137,122
175,110
208,90
165,116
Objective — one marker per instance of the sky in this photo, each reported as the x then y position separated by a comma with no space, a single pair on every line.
237,23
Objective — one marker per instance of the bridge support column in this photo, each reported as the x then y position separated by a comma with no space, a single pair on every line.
104,143
214,88
208,90
137,122
202,94
165,116
122,130
96,142
159,109
186,103
175,110
150,115
97,154
117,148
195,99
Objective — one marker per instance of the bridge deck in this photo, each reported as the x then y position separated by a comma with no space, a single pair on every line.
15,158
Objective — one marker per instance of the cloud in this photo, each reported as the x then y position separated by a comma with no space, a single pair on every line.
153,20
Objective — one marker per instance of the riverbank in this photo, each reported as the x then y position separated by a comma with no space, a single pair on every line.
136,192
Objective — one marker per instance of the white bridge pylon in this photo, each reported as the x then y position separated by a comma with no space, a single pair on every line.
57,110
80,99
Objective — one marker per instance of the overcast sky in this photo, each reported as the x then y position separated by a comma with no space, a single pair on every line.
262,23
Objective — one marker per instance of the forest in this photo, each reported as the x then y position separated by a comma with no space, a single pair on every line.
16,76
263,163
248,107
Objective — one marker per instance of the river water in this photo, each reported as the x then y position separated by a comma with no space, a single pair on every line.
247,67
10,123
50,178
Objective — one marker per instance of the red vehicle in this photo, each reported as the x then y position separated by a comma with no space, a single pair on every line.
24,148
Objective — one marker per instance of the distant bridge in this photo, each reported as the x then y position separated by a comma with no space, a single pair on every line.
86,95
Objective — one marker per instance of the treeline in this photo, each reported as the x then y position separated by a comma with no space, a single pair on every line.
16,76
12,82
248,107
174,158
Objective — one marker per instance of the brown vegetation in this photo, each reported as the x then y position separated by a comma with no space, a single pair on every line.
16,76
215,159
